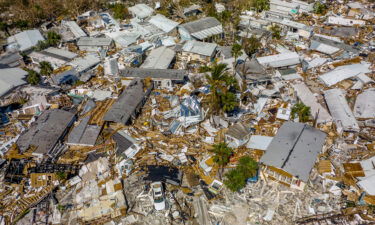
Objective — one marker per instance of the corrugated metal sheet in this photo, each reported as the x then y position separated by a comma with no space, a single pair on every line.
163,23
200,48
308,98
364,107
340,110
344,72
280,60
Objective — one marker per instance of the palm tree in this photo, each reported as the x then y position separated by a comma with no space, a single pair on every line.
236,51
245,169
53,38
45,68
222,84
222,155
229,101
302,111
33,77
216,80
251,45
276,32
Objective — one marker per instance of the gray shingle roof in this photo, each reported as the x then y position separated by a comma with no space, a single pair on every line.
90,41
11,78
45,131
159,58
84,134
171,74
295,149
201,24
127,103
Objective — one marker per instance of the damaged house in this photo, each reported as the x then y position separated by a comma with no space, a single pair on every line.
44,135
199,51
55,56
237,135
160,58
130,103
204,29
92,44
292,153
162,78
25,40
280,60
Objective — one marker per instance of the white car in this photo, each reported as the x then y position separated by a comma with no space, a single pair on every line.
158,195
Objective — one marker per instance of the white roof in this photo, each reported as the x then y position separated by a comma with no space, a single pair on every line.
159,58
259,142
344,72
163,23
83,63
200,48
344,21
26,39
367,166
365,104
279,60
368,184
75,29
308,98
10,78
340,110
111,67
60,52
141,11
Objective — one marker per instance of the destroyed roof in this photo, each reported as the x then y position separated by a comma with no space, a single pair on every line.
364,107
26,39
203,28
308,98
341,73
91,41
279,60
238,131
200,48
159,58
341,113
11,78
57,53
141,10
75,29
259,142
171,74
192,8
10,60
163,23
122,142
84,134
84,63
164,174
294,149
329,46
128,102
344,32
252,67
45,132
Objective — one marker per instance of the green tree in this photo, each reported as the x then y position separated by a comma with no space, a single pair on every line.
45,68
302,111
251,45
221,83
33,77
276,32
41,45
247,166
236,51
61,175
320,8
222,154
229,101
21,24
245,169
53,38
4,27
235,180
120,12
261,5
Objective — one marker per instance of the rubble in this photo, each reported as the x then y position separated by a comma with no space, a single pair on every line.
121,122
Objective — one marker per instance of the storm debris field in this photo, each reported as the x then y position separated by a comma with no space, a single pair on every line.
239,112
